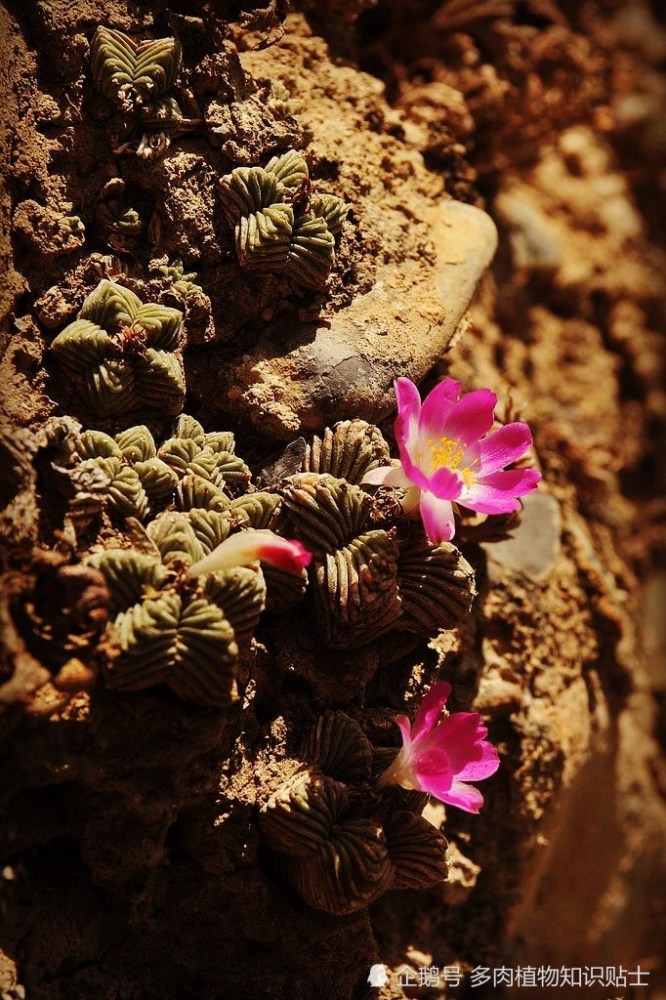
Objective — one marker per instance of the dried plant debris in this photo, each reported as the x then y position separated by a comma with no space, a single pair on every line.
123,355
17,450
136,77
51,619
167,630
366,580
63,610
279,226
247,119
123,224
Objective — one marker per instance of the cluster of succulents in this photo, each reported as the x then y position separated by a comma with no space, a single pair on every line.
365,580
333,839
138,478
122,354
279,224
169,629
178,593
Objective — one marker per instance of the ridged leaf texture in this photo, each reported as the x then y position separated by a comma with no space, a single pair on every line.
178,453
136,444
283,590
188,427
118,353
112,307
221,468
325,513
96,444
137,480
289,169
130,72
299,817
248,190
331,209
334,860
351,872
125,491
339,748
417,851
157,479
436,587
129,575
194,492
210,527
258,510
175,538
159,382
356,592
182,641
210,457
347,451
274,229
241,594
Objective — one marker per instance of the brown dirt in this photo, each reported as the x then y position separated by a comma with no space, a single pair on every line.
130,861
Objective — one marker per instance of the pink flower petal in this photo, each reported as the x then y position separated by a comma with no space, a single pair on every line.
463,797
437,406
471,416
409,410
433,772
498,492
284,553
430,708
487,764
387,475
461,733
253,545
502,447
437,517
441,753
403,724
444,483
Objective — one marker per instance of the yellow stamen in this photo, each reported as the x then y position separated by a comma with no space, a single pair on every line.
449,453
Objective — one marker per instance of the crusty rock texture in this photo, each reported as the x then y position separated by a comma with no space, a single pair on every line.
504,224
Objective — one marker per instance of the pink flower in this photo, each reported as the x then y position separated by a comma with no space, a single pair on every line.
441,754
254,545
447,454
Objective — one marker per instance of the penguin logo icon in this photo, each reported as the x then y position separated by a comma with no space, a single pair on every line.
377,976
